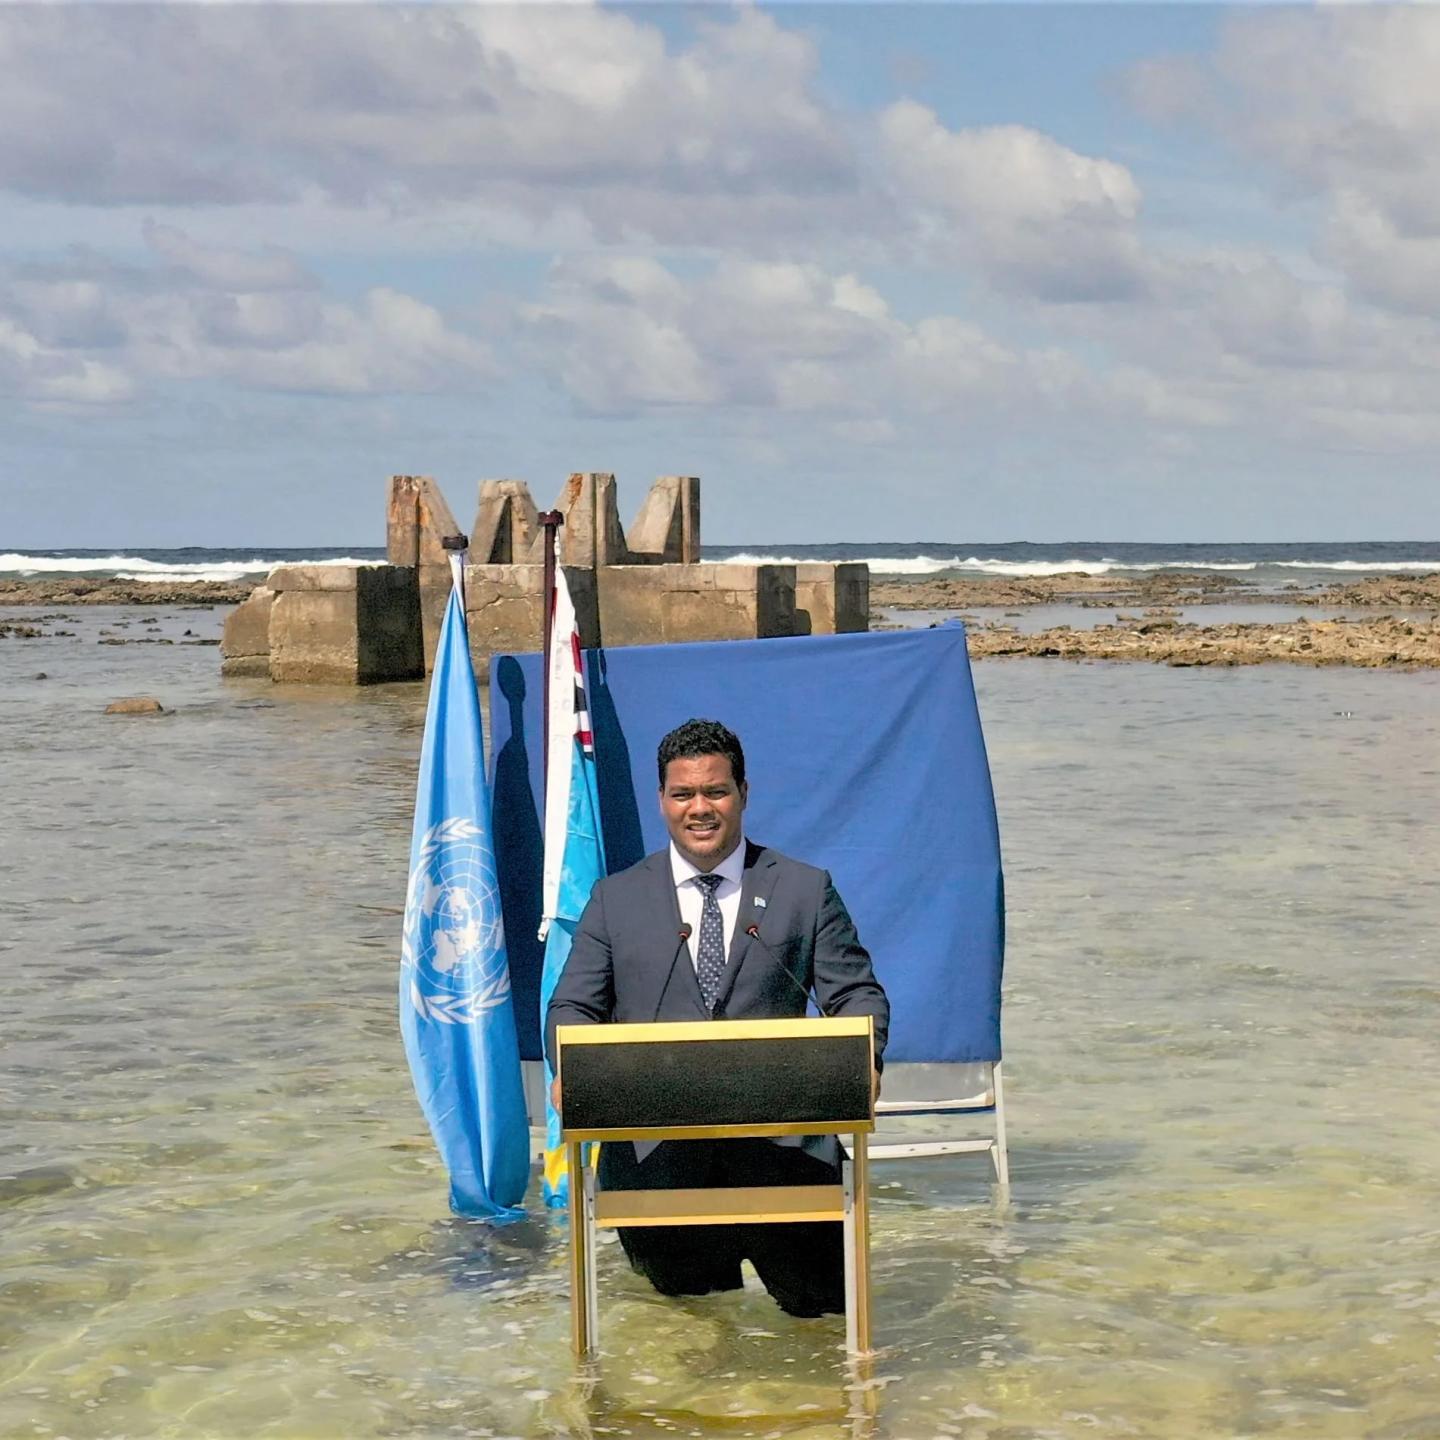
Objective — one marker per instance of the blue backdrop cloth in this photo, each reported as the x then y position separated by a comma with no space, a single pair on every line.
864,755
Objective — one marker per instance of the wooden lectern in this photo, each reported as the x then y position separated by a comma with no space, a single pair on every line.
713,1080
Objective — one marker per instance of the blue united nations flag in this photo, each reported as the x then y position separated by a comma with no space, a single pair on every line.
456,1012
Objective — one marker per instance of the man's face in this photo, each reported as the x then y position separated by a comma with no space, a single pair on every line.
702,806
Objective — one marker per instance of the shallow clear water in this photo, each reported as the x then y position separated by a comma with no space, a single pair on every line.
223,1218
1032,618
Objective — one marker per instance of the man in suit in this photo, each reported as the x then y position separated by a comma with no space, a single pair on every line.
630,963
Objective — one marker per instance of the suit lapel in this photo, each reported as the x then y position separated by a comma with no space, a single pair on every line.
757,882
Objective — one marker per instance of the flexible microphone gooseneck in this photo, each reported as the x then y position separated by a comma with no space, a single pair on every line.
753,931
684,933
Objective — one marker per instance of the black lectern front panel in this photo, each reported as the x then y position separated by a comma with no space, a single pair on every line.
725,1073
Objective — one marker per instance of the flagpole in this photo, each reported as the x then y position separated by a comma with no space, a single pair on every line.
455,547
550,521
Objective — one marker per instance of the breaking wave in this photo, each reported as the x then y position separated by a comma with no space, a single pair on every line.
136,567
974,565
1383,565
1031,569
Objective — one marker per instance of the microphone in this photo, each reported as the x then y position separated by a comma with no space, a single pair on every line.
684,933
753,931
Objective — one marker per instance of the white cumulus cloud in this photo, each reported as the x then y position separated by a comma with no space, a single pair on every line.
85,328
1036,215
1340,105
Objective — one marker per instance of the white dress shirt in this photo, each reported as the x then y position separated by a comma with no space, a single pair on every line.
691,896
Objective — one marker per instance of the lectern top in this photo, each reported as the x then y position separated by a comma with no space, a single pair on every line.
798,1027
713,1078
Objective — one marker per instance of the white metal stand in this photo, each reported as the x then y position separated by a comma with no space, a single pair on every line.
989,1098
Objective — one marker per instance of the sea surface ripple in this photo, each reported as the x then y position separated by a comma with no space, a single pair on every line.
220,1215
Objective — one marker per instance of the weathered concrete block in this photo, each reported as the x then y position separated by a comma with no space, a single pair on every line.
667,529
285,578
507,525
852,598
402,520
417,520
245,645
832,599
345,624
388,612
434,583
591,535
503,609
643,605
774,601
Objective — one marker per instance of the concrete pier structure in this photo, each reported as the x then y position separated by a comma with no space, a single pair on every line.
832,599
245,646
662,604
504,608
360,624
344,624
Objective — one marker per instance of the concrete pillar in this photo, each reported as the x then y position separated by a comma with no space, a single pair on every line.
507,525
591,535
402,520
667,529
417,519
345,624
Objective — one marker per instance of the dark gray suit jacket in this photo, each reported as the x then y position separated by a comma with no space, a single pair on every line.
628,963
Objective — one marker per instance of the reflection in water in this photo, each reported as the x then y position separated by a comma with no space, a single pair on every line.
848,1405
220,1215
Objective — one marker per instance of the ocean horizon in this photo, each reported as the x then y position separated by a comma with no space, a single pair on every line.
1269,565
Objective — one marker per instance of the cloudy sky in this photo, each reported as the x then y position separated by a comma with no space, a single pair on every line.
875,273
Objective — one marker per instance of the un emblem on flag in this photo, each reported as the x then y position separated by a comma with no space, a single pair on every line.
453,947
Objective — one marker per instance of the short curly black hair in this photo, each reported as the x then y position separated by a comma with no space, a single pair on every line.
701,737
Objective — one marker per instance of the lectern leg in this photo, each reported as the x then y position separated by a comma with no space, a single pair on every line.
580,1292
592,1255
861,1210
852,1270
855,1178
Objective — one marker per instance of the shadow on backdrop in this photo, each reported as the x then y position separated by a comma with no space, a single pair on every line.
519,849
614,773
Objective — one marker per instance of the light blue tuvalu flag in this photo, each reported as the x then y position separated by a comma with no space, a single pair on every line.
456,1012
574,847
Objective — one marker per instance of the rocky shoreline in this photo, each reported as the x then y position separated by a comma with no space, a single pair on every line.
1383,642
1144,589
1382,639
81,591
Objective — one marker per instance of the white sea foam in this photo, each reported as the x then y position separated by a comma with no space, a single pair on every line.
136,567
1031,569
1382,565
887,565
927,564
973,564
1022,569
